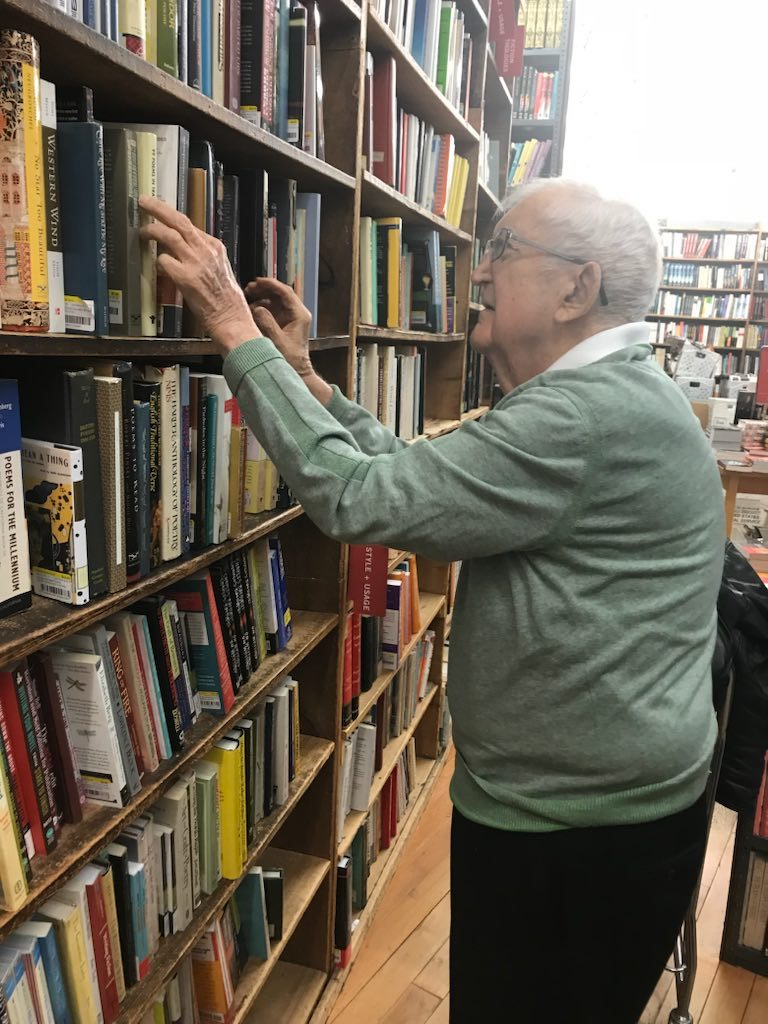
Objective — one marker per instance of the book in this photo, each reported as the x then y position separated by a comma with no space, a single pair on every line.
116,855
121,194
342,935
169,457
146,153
384,118
91,718
55,508
24,303
251,904
13,884
214,985
109,416
43,933
91,878
84,227
273,897
207,795
228,756
56,320
68,924
172,810
15,578
297,70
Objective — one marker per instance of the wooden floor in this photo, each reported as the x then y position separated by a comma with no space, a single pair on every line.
400,975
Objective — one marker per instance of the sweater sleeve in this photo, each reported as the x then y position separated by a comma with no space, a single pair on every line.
372,437
504,483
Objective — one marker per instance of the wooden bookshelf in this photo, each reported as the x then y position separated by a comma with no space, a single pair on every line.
430,605
302,835
732,951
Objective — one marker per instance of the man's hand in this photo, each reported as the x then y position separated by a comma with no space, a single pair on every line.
284,319
198,265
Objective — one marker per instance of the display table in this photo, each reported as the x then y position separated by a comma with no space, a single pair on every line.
746,481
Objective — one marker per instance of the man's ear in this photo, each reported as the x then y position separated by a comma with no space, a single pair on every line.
582,294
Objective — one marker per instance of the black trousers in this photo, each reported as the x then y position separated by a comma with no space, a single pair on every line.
572,927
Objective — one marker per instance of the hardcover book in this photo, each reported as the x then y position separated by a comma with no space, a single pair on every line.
15,579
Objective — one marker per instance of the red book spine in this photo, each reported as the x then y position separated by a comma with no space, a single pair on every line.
384,118
346,694
125,699
356,671
41,737
15,779
35,759
441,180
232,56
537,100
102,951
367,578
227,690
386,812
18,746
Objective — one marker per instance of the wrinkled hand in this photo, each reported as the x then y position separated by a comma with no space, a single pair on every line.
283,318
198,265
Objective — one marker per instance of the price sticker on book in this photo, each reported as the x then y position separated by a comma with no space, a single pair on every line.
79,314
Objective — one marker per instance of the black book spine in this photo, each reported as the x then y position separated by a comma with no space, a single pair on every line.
250,613
124,371
124,917
381,274
194,44
230,220
297,46
342,932
202,466
152,608
145,391
237,587
226,609
250,59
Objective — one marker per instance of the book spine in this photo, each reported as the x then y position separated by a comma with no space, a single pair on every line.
141,420
13,886
25,829
125,702
194,44
24,300
232,57
41,738
13,807
56,321
133,26
41,792
167,37
186,441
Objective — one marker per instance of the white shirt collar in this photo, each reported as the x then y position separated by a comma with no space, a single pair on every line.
601,345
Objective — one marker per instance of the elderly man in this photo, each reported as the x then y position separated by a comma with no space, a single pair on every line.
587,511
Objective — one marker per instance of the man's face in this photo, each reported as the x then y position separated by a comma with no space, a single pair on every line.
521,290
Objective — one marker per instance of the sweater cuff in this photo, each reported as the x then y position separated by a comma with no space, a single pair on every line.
247,357
338,404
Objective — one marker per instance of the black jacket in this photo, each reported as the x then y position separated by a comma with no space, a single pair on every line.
742,644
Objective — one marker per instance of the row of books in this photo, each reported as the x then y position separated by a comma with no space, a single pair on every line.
671,303
434,34
118,471
711,335
98,936
534,94
373,836
390,383
727,245
544,24
489,166
759,308
93,715
261,60
407,277
761,279
753,927
72,257
527,160
693,275
406,152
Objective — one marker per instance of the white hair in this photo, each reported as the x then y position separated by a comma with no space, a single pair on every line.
579,222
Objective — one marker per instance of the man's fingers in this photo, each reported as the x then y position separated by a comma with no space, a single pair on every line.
172,268
169,238
270,288
265,322
169,216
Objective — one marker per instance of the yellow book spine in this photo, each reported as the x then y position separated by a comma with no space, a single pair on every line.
12,880
150,15
394,248
33,159
230,800
146,147
240,820
253,566
69,933
296,731
108,890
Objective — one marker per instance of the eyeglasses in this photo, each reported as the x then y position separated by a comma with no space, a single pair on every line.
497,245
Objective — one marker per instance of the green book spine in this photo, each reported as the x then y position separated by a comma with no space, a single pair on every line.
446,15
167,37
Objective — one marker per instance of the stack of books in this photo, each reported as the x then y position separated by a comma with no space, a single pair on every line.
390,381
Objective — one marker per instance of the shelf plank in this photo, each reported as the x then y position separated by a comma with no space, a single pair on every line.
706,291
430,606
111,347
47,621
395,558
415,91
303,876
534,124
697,319
390,756
704,259
79,843
146,93
437,428
289,995
381,200
300,868
403,336
474,414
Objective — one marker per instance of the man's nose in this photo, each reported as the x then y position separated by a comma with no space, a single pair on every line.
481,273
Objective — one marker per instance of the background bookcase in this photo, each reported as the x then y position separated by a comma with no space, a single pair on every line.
301,835
732,950
737,358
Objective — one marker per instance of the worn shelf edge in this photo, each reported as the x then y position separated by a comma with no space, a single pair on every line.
404,336
82,841
374,187
174,948
15,344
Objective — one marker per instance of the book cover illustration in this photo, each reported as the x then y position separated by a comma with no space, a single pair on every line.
55,506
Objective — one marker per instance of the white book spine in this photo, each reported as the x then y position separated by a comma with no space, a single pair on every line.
362,770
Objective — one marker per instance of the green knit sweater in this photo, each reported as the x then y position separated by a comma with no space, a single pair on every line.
587,511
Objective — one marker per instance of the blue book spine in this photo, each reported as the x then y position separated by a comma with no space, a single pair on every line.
212,415
49,951
186,440
137,886
156,685
274,545
105,15
142,477
419,42
89,13
206,56
203,655
113,33
15,582
282,636
84,226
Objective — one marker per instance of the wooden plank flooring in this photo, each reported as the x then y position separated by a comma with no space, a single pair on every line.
400,975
